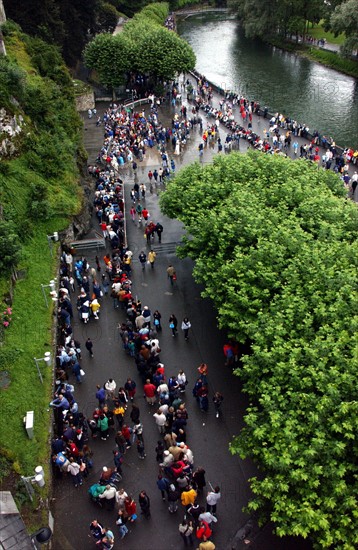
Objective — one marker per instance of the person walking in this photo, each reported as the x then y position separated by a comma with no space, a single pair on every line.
109,494
142,258
89,346
163,485
151,257
97,530
198,479
159,451
133,213
150,392
160,420
141,449
206,544
188,497
173,497
100,395
159,230
74,470
102,425
217,400
182,381
122,528
144,503
131,387
171,274
185,326
110,387
173,324
186,529
212,499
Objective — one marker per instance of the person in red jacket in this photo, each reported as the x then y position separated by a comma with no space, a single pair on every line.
130,509
150,392
203,530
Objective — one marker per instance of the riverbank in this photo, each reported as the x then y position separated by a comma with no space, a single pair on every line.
328,58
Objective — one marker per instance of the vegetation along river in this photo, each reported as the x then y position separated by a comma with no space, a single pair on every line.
310,93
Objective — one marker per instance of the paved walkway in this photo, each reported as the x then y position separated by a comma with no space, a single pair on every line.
208,437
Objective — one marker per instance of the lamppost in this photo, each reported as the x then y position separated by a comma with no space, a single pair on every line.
46,359
52,286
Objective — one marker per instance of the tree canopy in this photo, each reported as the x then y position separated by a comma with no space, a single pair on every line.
144,47
66,23
345,19
274,244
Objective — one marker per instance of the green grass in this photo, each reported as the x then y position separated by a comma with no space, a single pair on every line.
318,32
31,332
335,61
29,335
81,87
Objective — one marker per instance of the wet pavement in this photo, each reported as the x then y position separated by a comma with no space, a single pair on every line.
207,436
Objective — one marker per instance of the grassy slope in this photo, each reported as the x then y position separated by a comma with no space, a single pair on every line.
318,32
31,330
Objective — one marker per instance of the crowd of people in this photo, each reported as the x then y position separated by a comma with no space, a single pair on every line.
117,416
279,136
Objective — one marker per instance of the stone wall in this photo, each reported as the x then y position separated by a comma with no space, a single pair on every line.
10,128
85,102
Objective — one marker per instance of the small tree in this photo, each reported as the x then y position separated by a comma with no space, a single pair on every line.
9,246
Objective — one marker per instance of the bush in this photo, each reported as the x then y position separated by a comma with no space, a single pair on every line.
39,207
9,247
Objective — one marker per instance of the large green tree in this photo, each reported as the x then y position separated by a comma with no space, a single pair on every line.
144,46
111,57
345,19
274,244
262,18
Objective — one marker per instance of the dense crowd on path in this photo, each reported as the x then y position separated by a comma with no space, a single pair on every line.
84,290
279,136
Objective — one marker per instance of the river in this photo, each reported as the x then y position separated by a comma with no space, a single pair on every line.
322,98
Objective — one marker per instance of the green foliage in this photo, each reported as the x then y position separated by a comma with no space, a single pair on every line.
335,61
262,18
39,193
12,82
107,18
344,19
39,207
274,244
9,246
105,51
144,46
179,4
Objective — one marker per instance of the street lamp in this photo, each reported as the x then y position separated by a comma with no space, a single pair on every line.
52,286
38,478
47,359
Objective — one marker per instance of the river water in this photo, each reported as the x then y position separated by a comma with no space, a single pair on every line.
312,94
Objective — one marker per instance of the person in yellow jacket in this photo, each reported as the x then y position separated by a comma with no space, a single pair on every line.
95,306
188,497
206,544
151,258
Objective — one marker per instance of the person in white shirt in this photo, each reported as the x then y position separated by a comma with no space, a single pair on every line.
110,387
160,420
212,499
